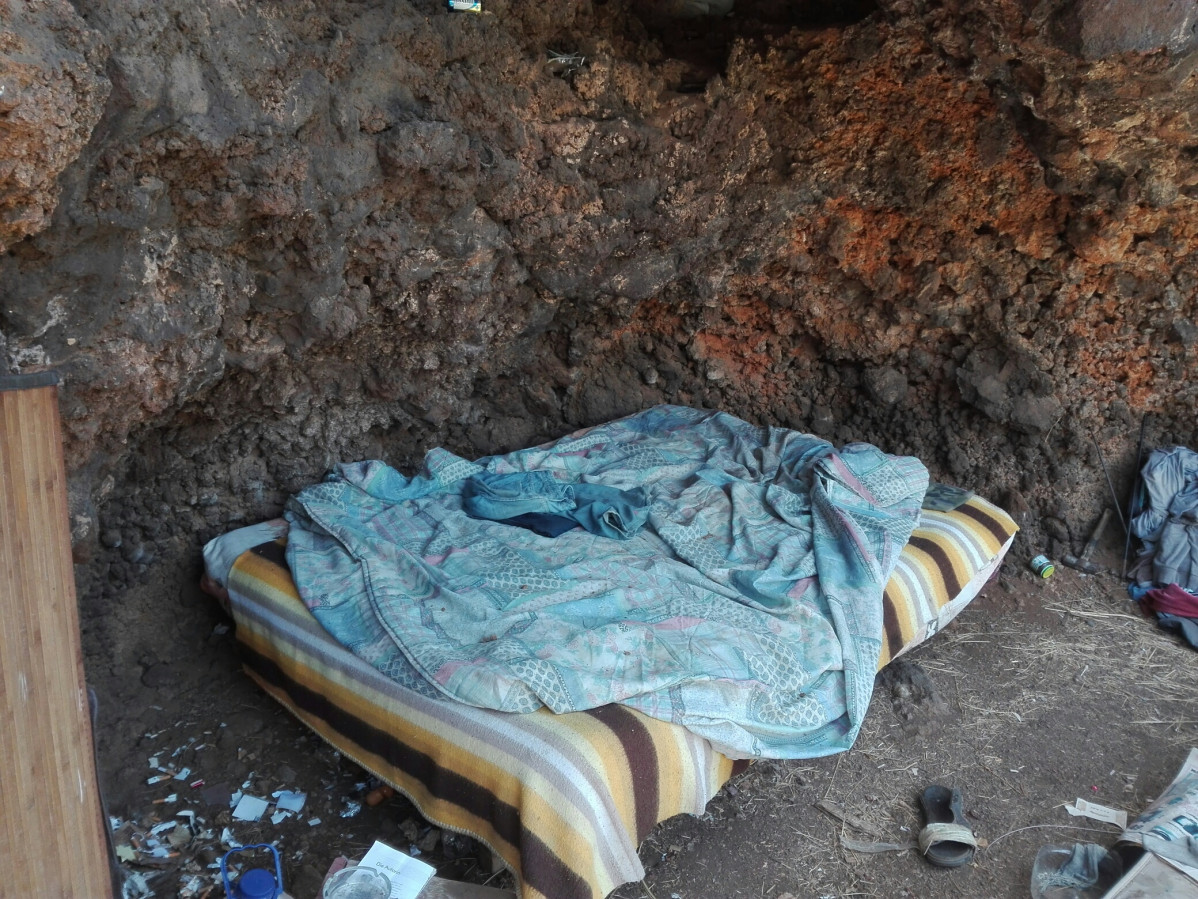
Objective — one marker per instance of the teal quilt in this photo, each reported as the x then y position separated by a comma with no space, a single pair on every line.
747,607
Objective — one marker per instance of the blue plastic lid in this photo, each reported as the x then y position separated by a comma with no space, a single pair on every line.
257,883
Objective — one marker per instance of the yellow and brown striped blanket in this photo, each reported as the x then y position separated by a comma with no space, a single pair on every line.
566,799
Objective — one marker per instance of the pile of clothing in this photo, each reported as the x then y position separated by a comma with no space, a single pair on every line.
1166,571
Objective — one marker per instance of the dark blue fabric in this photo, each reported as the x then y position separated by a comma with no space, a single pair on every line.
609,512
605,511
1187,626
542,523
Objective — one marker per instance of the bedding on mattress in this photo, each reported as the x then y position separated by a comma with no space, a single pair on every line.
563,799
742,598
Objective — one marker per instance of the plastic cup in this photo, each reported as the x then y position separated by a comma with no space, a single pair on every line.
1080,871
357,883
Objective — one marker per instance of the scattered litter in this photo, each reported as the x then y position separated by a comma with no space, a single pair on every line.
227,839
563,64
279,817
407,875
250,808
157,779
1086,809
465,5
380,794
135,887
1042,566
196,784
352,807
164,826
1167,826
183,775
180,836
359,882
153,761
220,630
173,797
266,881
410,830
313,822
1083,870
429,841
1154,876
289,801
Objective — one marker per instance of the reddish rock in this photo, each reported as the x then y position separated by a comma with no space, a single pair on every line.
52,92
357,232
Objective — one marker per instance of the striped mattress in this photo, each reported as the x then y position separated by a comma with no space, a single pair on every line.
564,800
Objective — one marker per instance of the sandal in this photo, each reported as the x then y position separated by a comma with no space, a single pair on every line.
947,841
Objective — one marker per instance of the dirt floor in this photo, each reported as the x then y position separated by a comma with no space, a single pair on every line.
1041,692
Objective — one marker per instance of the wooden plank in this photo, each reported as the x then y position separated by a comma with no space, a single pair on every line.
52,838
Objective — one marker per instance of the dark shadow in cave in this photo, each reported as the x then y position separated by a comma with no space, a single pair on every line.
701,33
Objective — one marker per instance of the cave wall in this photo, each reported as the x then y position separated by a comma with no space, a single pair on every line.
256,239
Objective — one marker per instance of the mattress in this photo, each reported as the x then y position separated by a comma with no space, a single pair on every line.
564,800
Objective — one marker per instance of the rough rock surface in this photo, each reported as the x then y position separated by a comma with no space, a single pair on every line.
52,92
303,232
1115,26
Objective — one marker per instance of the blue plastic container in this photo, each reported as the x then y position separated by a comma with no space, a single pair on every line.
256,883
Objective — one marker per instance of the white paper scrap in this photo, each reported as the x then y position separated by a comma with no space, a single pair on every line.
182,775
312,822
289,801
279,817
250,808
1097,812
408,876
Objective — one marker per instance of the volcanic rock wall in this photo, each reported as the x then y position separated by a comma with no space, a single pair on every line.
258,238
